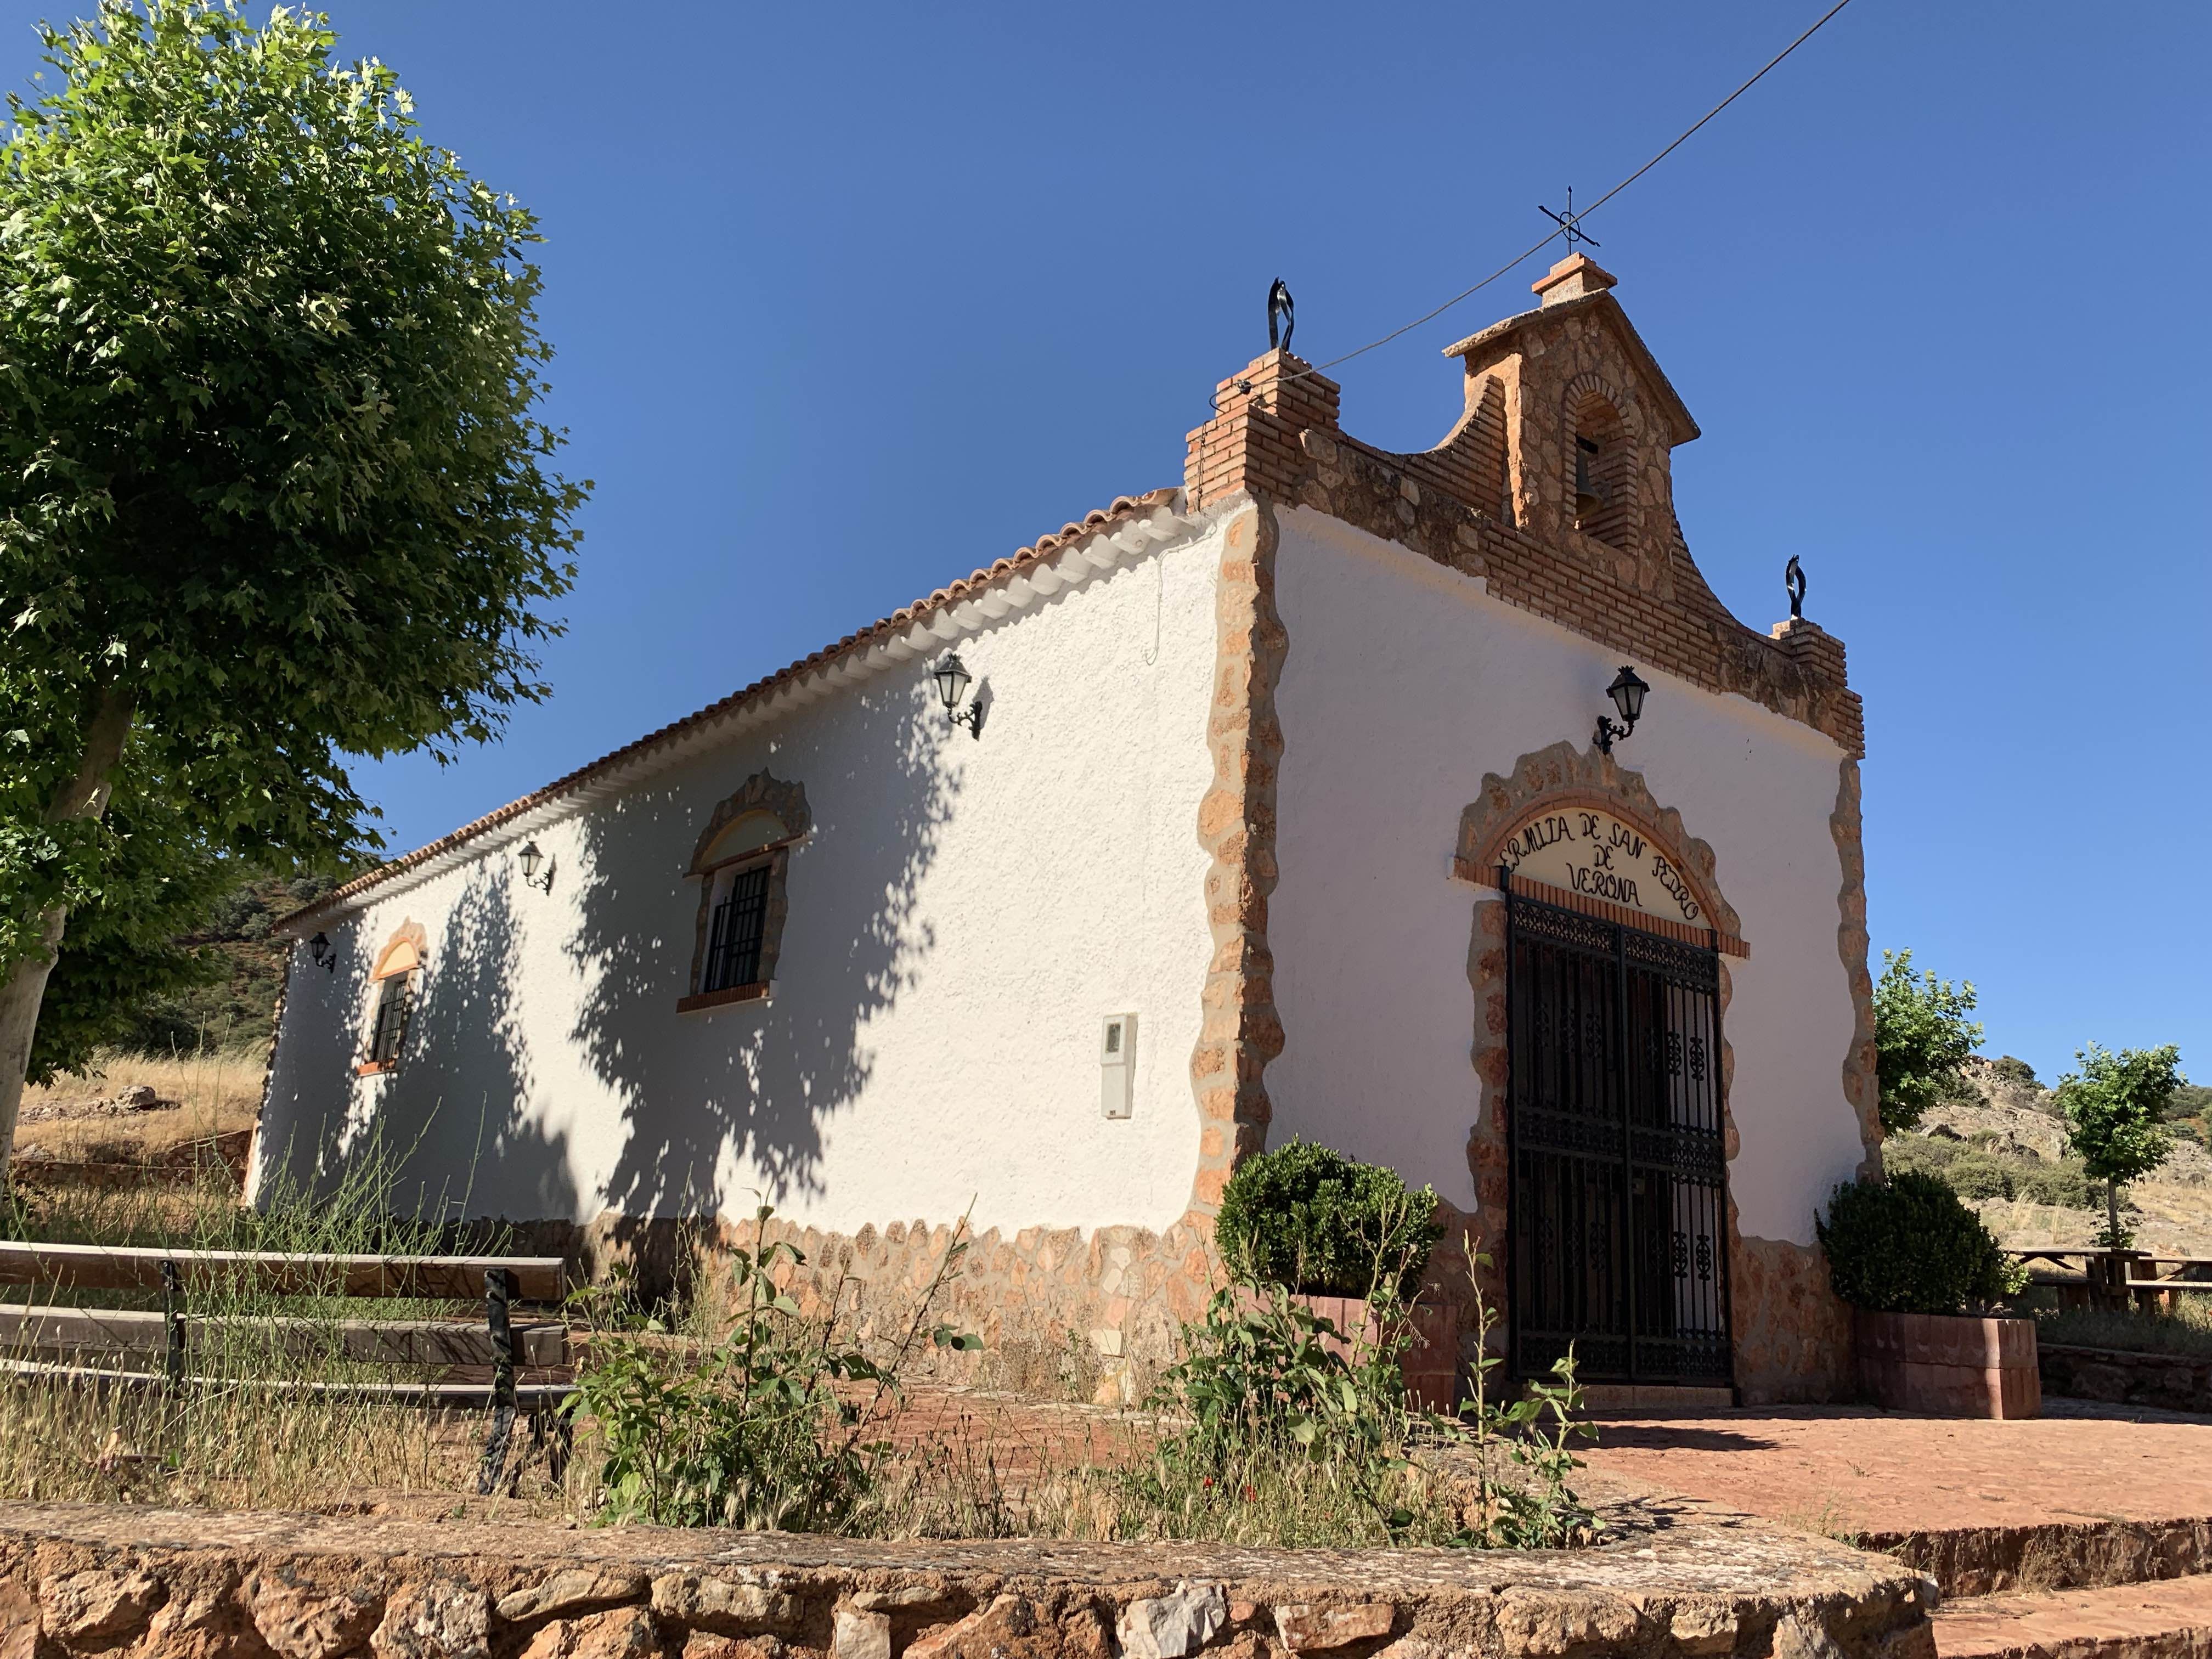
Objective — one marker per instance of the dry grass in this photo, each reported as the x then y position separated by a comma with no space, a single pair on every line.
2175,1217
231,1447
2188,1330
226,1442
217,1090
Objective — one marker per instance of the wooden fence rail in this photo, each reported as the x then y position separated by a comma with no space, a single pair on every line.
113,1267
176,1335
130,1332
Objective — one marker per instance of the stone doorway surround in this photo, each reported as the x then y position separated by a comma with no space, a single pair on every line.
1792,1337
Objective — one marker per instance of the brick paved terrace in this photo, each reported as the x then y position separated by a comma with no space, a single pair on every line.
1839,1469
2085,1534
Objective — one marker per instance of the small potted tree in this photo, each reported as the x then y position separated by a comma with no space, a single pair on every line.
1350,1242
1924,1279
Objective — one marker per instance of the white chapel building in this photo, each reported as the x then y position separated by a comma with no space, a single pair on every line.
1266,806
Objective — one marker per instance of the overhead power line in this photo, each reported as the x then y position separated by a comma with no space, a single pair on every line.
1539,246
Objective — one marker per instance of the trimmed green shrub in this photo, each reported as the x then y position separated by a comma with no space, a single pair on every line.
1325,1224
1910,1245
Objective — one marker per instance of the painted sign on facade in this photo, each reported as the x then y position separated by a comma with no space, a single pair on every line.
1596,854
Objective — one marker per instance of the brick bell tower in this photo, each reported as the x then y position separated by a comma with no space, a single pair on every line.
1556,485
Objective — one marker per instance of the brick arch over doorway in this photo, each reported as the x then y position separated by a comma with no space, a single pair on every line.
1563,776
1777,1289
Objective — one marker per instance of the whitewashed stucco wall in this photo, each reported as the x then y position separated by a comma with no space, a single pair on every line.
1405,683
962,916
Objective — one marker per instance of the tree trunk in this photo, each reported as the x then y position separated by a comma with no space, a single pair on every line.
85,796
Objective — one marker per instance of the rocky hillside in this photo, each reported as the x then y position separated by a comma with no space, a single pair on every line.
2003,1148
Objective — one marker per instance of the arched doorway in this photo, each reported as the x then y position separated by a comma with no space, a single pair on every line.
1601,1143
1617,1145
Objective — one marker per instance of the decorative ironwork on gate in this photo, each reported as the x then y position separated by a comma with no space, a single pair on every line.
1618,1146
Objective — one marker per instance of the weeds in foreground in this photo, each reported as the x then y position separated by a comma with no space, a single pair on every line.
1295,1433
227,1448
1272,1428
1281,1438
755,1432
1521,1448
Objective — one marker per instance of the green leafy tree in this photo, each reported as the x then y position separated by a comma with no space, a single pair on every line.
2115,1108
1922,1038
272,491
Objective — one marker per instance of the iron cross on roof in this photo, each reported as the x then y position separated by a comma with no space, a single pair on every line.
1570,222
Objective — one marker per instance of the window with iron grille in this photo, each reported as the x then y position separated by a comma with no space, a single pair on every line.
740,923
389,1031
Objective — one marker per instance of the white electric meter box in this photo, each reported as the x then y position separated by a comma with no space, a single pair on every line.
1117,1064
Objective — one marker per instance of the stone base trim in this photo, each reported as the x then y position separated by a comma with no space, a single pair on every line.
146,1583
1669,1400
1793,1333
1097,1311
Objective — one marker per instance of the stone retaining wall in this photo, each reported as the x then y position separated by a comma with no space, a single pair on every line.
80,1580
2178,1382
2053,1555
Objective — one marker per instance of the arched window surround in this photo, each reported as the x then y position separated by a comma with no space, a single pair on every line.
392,1008
741,861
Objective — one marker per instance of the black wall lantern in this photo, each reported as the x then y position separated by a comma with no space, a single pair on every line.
1627,694
953,680
531,857
322,953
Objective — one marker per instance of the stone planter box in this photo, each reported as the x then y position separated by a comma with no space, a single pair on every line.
2178,1382
1430,1363
1948,1364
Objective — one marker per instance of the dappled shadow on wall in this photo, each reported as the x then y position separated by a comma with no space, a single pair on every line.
452,1123
304,1120
717,1105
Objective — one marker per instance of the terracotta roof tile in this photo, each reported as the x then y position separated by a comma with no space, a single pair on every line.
1123,507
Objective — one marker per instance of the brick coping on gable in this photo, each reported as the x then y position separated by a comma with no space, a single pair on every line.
1277,435
1122,509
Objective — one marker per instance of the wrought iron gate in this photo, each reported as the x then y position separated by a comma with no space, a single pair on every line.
1619,1194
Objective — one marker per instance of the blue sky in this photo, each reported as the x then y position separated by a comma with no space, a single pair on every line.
851,300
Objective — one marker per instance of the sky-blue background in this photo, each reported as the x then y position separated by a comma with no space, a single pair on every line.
851,300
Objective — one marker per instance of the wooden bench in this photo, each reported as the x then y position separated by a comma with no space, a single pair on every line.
2157,1289
122,1336
2096,1284
2109,1277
